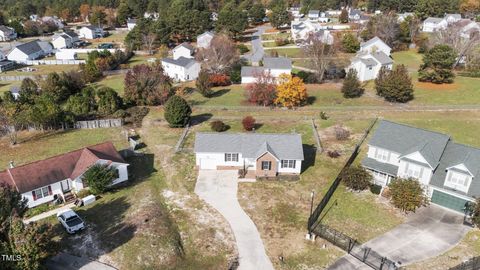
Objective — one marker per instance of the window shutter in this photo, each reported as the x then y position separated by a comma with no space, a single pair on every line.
49,190
269,165
226,157
294,163
34,195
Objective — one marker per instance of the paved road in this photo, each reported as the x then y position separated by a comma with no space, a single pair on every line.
64,261
429,232
257,48
219,189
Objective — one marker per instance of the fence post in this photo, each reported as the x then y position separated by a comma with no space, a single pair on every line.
366,251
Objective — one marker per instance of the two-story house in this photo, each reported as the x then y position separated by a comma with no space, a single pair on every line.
91,32
181,69
65,40
183,50
448,171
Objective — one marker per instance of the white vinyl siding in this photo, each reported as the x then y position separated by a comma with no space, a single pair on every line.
288,164
382,155
231,157
413,170
458,181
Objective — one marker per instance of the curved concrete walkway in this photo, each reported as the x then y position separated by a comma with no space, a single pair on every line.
219,189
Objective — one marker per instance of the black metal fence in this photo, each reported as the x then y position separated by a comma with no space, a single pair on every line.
472,264
314,219
354,248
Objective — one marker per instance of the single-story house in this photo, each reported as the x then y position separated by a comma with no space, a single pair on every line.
275,66
131,23
45,180
65,40
313,14
7,33
203,40
432,24
181,69
266,155
91,32
354,14
183,50
448,171
368,65
30,51
375,45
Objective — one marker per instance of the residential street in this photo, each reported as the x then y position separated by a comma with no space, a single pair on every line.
219,189
257,53
429,232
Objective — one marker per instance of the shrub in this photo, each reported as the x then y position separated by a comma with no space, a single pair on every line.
307,77
476,213
407,194
341,133
356,178
203,84
323,115
242,48
248,123
218,126
350,43
333,153
438,64
177,112
83,193
219,80
99,178
235,76
281,41
352,88
37,210
136,114
375,189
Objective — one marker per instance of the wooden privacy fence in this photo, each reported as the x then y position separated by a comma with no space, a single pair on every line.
102,123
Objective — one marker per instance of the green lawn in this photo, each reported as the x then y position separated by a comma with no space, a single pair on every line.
276,35
5,86
41,70
34,146
286,52
116,82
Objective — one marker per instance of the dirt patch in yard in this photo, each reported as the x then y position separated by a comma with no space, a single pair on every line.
434,86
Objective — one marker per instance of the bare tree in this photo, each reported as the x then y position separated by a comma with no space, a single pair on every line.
7,124
464,43
149,41
220,56
385,27
320,54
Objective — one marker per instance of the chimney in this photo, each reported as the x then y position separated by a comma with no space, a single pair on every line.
11,164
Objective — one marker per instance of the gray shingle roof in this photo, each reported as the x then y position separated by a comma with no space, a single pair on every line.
248,71
314,12
366,61
433,20
405,140
251,145
181,61
371,41
382,58
186,45
456,154
277,63
206,33
371,163
30,47
6,29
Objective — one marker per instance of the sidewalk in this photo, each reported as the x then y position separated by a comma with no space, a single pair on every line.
48,213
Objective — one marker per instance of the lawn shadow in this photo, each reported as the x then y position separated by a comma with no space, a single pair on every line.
220,93
141,166
311,100
310,154
200,118
257,126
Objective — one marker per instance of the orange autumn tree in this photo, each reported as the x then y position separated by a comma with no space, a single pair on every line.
291,91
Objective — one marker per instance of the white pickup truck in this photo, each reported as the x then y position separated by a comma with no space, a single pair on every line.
70,221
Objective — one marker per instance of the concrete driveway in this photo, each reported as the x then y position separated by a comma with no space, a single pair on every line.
219,189
429,232
257,53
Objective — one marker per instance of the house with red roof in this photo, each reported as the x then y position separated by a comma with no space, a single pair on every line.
57,177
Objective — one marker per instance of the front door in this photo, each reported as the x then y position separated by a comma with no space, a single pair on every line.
65,186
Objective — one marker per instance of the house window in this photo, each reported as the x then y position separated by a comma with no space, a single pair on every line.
231,157
266,165
457,179
412,170
382,155
40,193
288,164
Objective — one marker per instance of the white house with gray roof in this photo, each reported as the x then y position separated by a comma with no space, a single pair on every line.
368,65
30,51
7,33
375,44
260,154
181,69
91,32
183,50
449,172
65,40
204,40
275,66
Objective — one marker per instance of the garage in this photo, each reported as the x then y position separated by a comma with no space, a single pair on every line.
448,201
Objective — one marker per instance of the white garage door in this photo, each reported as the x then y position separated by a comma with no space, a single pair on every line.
208,164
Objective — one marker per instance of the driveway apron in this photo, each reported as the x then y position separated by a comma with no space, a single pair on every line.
219,189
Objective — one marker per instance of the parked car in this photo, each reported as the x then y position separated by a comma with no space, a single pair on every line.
105,46
70,221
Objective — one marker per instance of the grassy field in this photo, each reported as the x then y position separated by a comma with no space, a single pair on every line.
273,36
5,86
285,52
115,82
41,70
47,144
